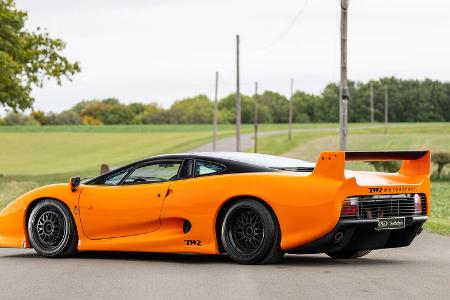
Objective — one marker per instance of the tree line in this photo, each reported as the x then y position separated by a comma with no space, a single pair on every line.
409,101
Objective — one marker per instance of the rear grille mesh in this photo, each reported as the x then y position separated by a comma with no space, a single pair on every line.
385,206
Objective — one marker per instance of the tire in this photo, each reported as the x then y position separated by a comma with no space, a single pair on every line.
348,254
52,230
250,234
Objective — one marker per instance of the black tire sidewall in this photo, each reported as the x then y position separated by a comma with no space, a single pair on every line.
270,232
59,250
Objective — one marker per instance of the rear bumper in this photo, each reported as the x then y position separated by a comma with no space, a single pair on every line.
357,235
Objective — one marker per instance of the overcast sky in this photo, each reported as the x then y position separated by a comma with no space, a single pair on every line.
164,50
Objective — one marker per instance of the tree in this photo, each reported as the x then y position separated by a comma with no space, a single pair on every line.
303,107
277,104
40,117
227,110
27,59
68,117
147,113
195,110
14,118
118,114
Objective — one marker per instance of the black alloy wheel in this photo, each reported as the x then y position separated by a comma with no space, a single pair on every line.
246,230
52,230
251,234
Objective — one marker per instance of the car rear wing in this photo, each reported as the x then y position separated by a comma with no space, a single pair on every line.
332,164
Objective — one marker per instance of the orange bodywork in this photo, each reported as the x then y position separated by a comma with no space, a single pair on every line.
150,217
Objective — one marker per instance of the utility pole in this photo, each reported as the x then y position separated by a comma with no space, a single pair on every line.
386,108
290,109
215,112
343,95
255,118
371,103
238,99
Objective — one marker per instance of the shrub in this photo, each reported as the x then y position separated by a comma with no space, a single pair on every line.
40,117
68,117
441,159
386,166
87,120
14,118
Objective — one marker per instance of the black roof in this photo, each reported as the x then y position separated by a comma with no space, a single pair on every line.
257,159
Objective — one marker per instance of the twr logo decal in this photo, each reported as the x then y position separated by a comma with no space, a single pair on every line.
193,242
375,190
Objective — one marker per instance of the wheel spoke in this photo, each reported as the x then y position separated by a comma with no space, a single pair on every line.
246,230
50,228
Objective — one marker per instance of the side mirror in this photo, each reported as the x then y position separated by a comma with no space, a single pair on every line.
74,183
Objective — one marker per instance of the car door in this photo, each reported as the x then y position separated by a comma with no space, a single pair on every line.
128,202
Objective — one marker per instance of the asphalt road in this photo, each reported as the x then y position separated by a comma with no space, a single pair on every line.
421,271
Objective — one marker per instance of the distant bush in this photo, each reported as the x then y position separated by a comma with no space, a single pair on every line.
87,120
14,118
67,117
441,159
386,166
40,117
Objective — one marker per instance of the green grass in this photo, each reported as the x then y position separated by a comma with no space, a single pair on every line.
39,150
440,208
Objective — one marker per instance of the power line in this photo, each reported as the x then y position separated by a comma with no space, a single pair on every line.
289,27
285,31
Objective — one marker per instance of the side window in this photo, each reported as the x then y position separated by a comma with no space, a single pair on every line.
207,168
115,179
156,172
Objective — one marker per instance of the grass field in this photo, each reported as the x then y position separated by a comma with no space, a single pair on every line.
32,156
39,150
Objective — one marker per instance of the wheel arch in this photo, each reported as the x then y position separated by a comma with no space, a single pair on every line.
226,205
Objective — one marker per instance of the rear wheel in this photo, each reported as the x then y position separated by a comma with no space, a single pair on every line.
348,254
251,234
52,230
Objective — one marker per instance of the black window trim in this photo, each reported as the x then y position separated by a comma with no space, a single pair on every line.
185,161
209,162
148,163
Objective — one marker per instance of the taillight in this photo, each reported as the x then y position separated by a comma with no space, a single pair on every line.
350,207
417,204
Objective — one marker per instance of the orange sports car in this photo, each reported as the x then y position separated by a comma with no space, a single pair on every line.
253,207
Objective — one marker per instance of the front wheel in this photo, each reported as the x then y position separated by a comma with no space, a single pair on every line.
251,234
348,254
52,230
